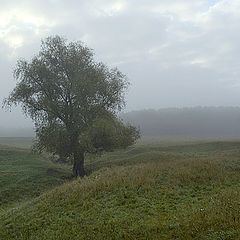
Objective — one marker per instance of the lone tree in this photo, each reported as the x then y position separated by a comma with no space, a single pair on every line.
73,101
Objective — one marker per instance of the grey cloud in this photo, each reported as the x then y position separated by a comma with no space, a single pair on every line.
175,53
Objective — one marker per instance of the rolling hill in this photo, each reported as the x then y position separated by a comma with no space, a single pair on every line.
150,191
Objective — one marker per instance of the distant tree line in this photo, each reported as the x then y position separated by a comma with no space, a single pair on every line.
199,122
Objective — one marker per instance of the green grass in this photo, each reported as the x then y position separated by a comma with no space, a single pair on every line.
24,175
149,191
21,142
148,151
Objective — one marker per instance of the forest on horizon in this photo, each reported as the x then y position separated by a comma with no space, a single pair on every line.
194,122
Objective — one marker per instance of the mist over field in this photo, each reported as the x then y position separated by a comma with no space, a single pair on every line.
196,122
17,132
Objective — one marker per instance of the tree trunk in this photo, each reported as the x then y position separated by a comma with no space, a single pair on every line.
78,164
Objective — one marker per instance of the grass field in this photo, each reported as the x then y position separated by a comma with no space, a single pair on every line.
24,175
20,142
153,190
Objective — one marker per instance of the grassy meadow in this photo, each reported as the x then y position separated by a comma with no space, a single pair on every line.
153,190
20,142
24,175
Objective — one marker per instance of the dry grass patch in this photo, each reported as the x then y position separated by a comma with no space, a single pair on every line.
200,172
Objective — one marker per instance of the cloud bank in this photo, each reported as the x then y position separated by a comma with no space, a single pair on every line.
175,53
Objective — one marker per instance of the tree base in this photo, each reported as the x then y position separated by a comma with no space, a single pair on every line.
78,166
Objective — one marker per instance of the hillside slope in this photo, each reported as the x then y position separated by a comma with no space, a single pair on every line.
24,175
168,192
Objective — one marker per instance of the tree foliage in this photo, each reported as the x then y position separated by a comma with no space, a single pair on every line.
73,101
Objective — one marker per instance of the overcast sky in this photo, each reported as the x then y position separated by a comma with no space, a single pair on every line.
177,53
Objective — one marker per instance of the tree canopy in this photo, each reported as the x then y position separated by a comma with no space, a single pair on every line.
73,101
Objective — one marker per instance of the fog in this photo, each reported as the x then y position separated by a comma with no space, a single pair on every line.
192,123
170,123
176,53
